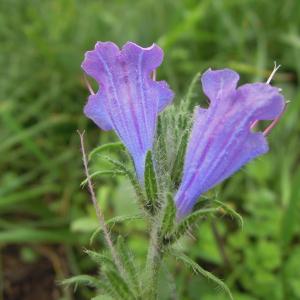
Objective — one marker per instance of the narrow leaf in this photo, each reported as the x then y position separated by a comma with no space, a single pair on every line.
132,178
188,221
150,182
115,220
101,259
104,172
231,211
119,285
106,147
161,141
85,280
199,270
169,216
129,264
178,163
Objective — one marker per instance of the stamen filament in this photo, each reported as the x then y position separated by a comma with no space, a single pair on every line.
88,85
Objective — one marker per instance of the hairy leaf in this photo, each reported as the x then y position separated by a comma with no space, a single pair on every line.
188,221
106,147
150,182
132,178
104,172
115,220
119,285
231,211
129,264
86,280
101,259
199,270
179,160
169,216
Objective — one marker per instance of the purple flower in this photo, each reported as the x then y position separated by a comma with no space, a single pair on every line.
128,100
222,141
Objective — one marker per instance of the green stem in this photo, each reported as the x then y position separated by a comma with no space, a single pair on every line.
154,259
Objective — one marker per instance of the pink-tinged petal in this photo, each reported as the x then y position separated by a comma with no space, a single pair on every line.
221,141
128,100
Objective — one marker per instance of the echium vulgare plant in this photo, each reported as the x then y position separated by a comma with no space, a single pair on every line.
176,158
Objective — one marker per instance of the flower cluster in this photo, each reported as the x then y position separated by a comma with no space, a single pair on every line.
222,139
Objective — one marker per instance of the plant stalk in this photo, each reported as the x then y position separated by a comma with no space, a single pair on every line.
98,210
154,259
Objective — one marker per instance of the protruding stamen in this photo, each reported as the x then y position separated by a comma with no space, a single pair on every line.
275,121
153,75
269,128
253,124
88,85
273,72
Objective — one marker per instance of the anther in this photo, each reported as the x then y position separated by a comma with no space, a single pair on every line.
88,85
273,72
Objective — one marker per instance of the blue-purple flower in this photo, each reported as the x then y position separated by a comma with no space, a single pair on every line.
222,139
128,100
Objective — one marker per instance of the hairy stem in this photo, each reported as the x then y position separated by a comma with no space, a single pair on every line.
98,210
154,259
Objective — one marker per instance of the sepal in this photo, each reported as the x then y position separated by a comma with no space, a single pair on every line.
177,169
150,184
169,217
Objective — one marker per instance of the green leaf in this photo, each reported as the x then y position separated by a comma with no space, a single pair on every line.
101,259
231,211
129,264
86,280
150,182
161,140
132,178
106,147
115,220
119,285
188,221
104,172
199,270
169,216
179,160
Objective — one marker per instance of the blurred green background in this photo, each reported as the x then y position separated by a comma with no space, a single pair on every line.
46,219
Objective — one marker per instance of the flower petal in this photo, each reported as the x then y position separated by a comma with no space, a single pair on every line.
129,100
219,84
95,110
221,141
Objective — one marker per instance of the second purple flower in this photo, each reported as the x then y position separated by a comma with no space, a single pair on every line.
222,141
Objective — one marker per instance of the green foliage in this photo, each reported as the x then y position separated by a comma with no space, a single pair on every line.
119,285
115,220
150,183
83,279
179,159
120,167
169,217
198,269
129,264
187,222
117,146
104,172
42,94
